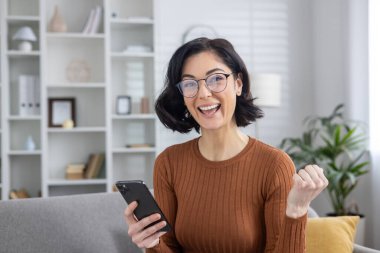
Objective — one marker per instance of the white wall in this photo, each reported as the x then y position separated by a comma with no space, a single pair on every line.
374,77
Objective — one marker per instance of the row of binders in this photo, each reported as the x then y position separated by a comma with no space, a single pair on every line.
93,21
29,95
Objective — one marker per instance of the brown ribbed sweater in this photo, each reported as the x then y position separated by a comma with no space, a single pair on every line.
236,205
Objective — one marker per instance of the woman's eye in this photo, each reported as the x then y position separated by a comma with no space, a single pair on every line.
189,84
216,78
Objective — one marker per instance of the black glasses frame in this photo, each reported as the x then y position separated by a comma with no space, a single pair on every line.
178,85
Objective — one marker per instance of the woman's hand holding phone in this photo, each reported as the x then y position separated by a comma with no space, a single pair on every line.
143,235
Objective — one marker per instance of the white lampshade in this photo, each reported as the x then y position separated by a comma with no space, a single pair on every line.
267,89
25,33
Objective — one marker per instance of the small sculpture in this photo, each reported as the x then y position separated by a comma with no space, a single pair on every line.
78,71
68,124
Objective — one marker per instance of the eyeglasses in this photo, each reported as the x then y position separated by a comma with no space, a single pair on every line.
215,83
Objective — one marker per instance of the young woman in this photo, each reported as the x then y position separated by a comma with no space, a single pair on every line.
223,191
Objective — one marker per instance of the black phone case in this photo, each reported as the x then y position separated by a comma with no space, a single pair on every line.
136,190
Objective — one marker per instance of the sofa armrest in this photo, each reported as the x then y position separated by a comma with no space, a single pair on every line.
361,249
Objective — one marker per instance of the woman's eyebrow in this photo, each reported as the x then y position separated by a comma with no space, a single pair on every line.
213,70
207,73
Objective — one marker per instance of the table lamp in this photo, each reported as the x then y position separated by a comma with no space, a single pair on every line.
25,34
267,89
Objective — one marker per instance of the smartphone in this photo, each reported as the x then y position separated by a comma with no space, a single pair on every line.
136,190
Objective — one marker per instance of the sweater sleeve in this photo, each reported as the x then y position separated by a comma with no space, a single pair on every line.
283,234
166,199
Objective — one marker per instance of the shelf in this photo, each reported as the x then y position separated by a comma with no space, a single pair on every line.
22,19
134,116
116,55
24,152
20,118
75,35
20,54
76,85
133,150
77,130
65,182
136,21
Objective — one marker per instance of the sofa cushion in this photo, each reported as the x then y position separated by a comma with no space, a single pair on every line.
331,234
77,223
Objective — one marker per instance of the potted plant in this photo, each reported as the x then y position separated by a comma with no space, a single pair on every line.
338,146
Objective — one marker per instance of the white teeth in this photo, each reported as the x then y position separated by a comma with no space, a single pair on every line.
205,108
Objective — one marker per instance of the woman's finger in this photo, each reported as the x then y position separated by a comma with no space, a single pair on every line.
305,176
322,176
128,213
312,171
151,241
148,232
140,225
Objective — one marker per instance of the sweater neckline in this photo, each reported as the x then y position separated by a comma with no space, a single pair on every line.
209,163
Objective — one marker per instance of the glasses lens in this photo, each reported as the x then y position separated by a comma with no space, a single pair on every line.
216,82
189,88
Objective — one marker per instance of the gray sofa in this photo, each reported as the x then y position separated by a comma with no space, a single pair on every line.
77,223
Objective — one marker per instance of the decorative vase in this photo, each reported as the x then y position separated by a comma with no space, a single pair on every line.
29,144
144,105
57,24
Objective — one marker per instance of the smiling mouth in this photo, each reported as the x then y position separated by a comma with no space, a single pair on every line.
209,109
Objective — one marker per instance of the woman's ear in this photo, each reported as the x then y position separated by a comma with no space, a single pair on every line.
239,84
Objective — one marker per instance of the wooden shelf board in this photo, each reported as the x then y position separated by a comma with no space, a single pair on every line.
24,152
75,35
133,150
67,182
21,118
77,130
134,116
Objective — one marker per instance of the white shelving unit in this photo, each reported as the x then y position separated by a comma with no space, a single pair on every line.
117,60
20,168
131,57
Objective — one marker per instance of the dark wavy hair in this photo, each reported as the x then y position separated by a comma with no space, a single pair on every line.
170,106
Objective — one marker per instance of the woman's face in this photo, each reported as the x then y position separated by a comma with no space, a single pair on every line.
211,110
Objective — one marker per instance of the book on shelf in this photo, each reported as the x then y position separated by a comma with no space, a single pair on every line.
94,165
19,194
86,28
93,21
28,95
75,171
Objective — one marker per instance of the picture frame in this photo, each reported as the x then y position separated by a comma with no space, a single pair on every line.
123,105
60,110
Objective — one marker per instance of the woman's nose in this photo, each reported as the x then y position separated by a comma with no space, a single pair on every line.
203,91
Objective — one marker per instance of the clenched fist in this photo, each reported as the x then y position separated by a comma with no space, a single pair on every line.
307,184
